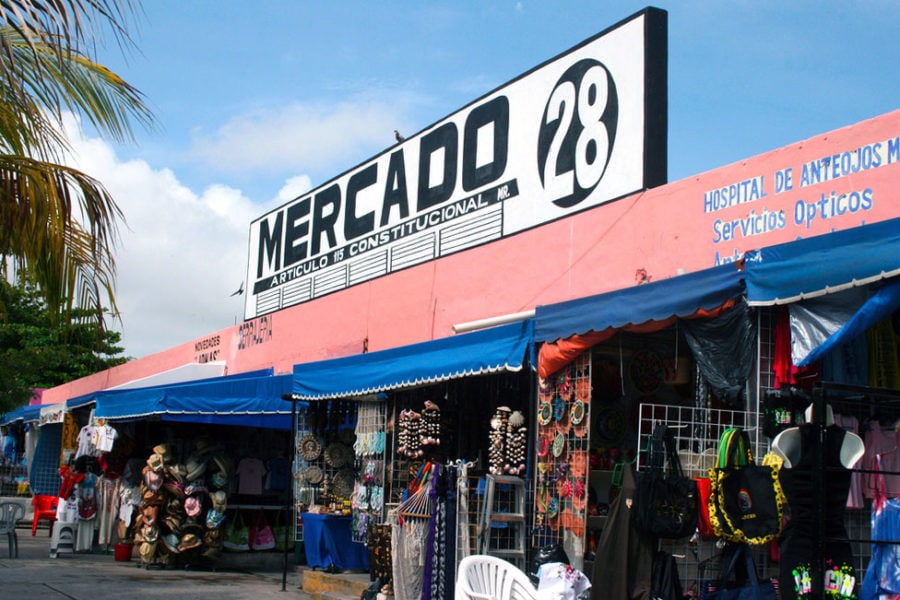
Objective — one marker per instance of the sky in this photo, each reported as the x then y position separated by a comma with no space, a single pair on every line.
257,102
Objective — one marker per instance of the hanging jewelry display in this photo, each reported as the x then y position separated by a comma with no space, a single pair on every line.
497,440
430,430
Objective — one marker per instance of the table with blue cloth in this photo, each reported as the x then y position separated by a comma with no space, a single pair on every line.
328,543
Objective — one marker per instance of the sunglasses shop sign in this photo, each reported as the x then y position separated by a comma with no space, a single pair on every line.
584,128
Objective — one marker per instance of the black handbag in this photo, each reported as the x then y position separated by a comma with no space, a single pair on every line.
747,502
551,553
665,584
666,503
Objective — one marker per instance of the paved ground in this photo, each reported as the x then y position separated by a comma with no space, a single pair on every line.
89,576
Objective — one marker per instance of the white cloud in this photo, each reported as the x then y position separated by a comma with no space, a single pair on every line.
181,254
308,136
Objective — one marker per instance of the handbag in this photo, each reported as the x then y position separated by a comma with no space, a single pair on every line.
746,502
551,553
281,531
237,535
755,590
666,502
704,489
665,582
261,535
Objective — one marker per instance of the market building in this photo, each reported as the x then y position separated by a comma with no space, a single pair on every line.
493,315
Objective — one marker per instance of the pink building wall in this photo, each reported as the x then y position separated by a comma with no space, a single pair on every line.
664,231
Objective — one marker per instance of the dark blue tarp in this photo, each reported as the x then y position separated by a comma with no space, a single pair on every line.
679,296
492,350
247,399
823,264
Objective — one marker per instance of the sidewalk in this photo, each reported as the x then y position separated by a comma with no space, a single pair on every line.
87,576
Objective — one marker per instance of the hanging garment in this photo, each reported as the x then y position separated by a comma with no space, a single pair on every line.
882,579
250,474
800,543
624,559
107,509
438,582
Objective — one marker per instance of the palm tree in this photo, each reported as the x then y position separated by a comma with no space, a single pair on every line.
58,226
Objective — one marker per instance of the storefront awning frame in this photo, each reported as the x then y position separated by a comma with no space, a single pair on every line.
506,348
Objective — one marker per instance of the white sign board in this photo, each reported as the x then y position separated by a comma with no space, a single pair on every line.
583,129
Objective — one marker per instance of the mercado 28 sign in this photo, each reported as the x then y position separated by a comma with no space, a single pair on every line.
580,130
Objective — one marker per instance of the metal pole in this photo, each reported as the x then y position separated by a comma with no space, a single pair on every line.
292,518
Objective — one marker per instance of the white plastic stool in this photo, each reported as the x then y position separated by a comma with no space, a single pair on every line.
63,538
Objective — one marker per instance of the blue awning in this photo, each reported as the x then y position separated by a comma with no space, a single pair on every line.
248,399
679,296
492,350
823,264
26,414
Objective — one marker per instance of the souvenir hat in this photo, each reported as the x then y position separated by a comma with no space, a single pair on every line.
196,466
172,523
149,514
223,463
191,525
202,444
192,506
149,496
156,462
213,537
219,479
189,541
177,472
174,506
170,541
150,533
161,449
152,479
214,518
175,488
147,551
219,500
195,488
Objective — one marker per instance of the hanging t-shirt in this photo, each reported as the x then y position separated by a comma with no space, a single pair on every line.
279,474
104,437
86,445
250,474
887,445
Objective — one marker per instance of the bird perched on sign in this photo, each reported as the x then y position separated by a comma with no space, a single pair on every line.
398,136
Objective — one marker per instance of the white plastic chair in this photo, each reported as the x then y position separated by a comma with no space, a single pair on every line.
10,515
483,577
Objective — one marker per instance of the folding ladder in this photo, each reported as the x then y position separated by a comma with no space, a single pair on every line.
501,529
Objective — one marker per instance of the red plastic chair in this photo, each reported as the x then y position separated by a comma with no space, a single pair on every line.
44,510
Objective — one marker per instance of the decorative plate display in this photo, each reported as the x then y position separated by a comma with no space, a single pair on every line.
342,485
337,455
545,414
646,371
577,412
559,408
309,448
559,445
314,475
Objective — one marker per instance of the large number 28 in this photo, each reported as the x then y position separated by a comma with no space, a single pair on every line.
577,132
